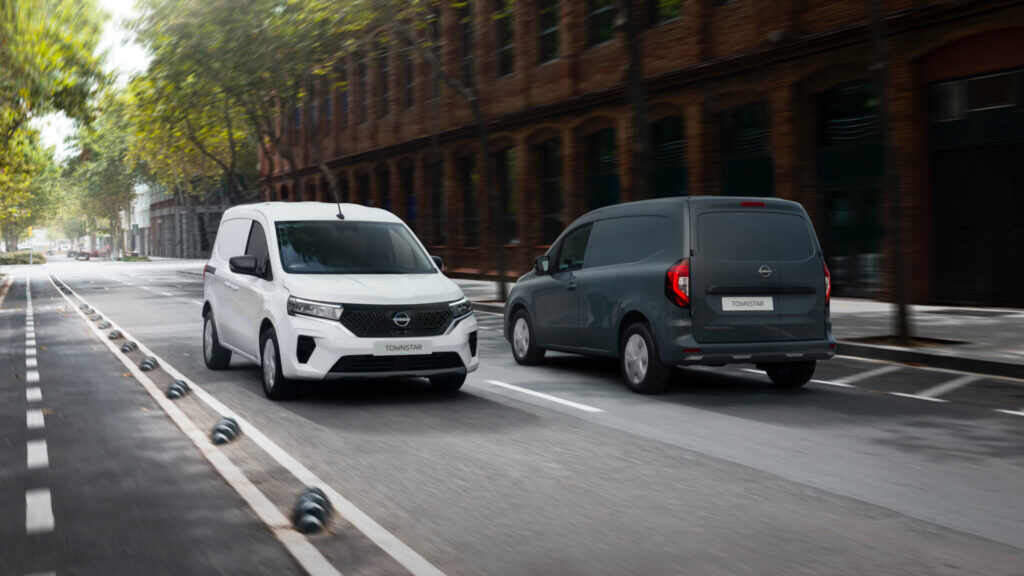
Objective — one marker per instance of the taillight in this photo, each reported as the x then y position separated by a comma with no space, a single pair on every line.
828,284
677,283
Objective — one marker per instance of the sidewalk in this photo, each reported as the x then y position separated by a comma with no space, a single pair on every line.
987,340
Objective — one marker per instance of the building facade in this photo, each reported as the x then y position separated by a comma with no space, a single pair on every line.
744,97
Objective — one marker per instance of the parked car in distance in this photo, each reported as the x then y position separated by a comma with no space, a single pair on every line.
314,291
680,281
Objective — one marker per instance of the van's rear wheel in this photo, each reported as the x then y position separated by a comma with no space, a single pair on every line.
791,374
641,363
449,383
524,341
216,356
275,385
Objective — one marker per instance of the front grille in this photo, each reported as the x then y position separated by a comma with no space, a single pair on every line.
378,321
411,363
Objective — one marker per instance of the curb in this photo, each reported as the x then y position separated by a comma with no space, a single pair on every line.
959,363
886,353
488,307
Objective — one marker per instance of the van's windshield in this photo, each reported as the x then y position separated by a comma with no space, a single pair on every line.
349,247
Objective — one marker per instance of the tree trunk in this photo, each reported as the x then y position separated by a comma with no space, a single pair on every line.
625,22
890,177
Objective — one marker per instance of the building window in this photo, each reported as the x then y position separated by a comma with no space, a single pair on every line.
468,182
549,164
505,180
548,30
409,74
746,162
849,114
384,188
504,37
408,186
383,77
343,187
434,39
438,208
602,164
668,170
466,42
363,189
663,10
600,21
992,91
362,95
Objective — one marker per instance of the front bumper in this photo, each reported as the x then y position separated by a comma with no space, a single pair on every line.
334,342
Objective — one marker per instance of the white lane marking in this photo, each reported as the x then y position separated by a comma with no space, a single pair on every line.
144,287
385,540
33,394
869,374
307,555
939,390
51,573
34,419
30,351
32,376
31,363
196,302
168,294
37,455
30,333
555,399
38,511
30,342
917,397
1014,412
825,382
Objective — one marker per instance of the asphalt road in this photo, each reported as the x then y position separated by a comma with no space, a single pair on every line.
559,469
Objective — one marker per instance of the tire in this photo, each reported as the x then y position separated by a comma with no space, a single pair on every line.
524,345
275,385
791,374
449,383
216,356
641,364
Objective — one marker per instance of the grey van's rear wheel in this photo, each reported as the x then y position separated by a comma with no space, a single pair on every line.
216,356
791,374
275,385
641,363
524,344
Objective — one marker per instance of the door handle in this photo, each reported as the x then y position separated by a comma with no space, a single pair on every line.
571,286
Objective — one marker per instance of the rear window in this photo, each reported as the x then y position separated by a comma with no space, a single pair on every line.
754,236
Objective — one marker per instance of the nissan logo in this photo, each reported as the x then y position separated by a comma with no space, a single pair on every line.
764,271
401,319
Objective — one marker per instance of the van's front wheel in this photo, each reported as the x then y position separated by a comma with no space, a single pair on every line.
524,341
641,363
275,385
791,374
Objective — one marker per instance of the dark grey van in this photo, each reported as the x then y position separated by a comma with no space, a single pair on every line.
680,281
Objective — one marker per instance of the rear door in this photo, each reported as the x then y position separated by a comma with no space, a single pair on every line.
734,277
756,276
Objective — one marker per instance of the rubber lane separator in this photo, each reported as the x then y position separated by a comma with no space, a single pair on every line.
385,540
307,555
555,399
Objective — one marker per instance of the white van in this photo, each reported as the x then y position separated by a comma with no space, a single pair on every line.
317,291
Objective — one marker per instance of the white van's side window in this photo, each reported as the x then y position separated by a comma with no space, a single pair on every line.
231,237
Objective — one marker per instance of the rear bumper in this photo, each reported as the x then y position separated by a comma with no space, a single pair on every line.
756,353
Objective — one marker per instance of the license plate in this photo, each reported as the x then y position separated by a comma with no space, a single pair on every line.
745,303
402,348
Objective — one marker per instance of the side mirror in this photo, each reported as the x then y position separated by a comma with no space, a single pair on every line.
542,264
438,261
243,265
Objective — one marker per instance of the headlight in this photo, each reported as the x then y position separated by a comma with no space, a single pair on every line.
461,308
315,309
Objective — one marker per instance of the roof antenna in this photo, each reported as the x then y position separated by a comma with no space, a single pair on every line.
334,189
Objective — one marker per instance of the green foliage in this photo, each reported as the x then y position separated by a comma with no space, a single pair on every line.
28,185
21,257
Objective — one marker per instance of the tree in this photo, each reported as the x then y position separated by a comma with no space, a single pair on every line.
27,185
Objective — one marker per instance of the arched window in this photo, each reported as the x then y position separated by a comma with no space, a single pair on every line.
602,165
668,162
549,171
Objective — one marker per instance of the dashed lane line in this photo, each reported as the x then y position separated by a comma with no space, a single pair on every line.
34,419
889,368
34,394
32,376
1014,412
37,455
932,394
549,397
38,511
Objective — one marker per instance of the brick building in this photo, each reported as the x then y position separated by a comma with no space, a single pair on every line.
749,97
